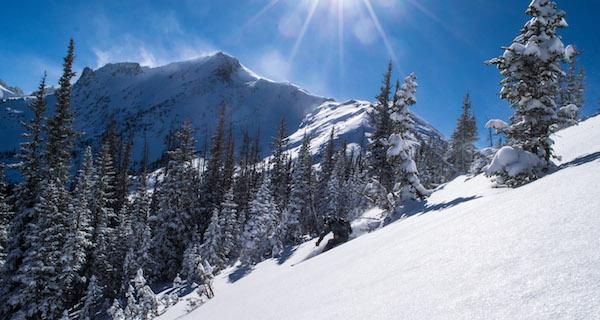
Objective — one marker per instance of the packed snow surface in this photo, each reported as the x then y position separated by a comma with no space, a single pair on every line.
471,252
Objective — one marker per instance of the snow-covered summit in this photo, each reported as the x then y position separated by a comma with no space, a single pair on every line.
150,102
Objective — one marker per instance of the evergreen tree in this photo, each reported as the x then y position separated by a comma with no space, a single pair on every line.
229,163
212,188
91,301
572,84
571,97
61,135
141,301
115,312
191,260
138,255
39,294
178,207
78,240
301,207
327,164
403,144
230,228
531,69
379,168
462,143
279,166
263,220
335,188
211,249
104,223
5,217
30,154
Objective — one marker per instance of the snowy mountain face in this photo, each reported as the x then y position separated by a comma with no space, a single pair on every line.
9,92
471,251
350,121
151,102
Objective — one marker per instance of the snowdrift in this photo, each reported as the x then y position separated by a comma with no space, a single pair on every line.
471,252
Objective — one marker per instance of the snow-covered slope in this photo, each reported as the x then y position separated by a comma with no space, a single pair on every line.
153,101
9,92
472,252
350,120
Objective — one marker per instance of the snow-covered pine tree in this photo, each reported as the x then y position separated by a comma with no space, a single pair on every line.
145,302
324,175
211,248
379,167
571,97
23,233
36,291
229,163
115,312
138,255
60,132
572,86
191,259
301,205
30,154
91,300
280,175
6,215
403,144
230,227
462,142
354,191
78,240
262,221
212,188
531,70
336,186
204,275
121,249
178,210
104,223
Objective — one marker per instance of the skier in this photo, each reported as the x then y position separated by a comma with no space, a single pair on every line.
340,228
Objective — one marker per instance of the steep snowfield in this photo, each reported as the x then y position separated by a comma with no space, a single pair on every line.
472,252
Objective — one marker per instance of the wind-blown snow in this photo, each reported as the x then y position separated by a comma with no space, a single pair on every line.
473,252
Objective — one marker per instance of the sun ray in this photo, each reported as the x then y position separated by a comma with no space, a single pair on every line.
442,23
262,11
309,16
379,28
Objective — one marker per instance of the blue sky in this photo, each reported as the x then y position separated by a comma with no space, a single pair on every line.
444,42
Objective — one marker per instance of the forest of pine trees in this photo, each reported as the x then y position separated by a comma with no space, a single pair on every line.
83,235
